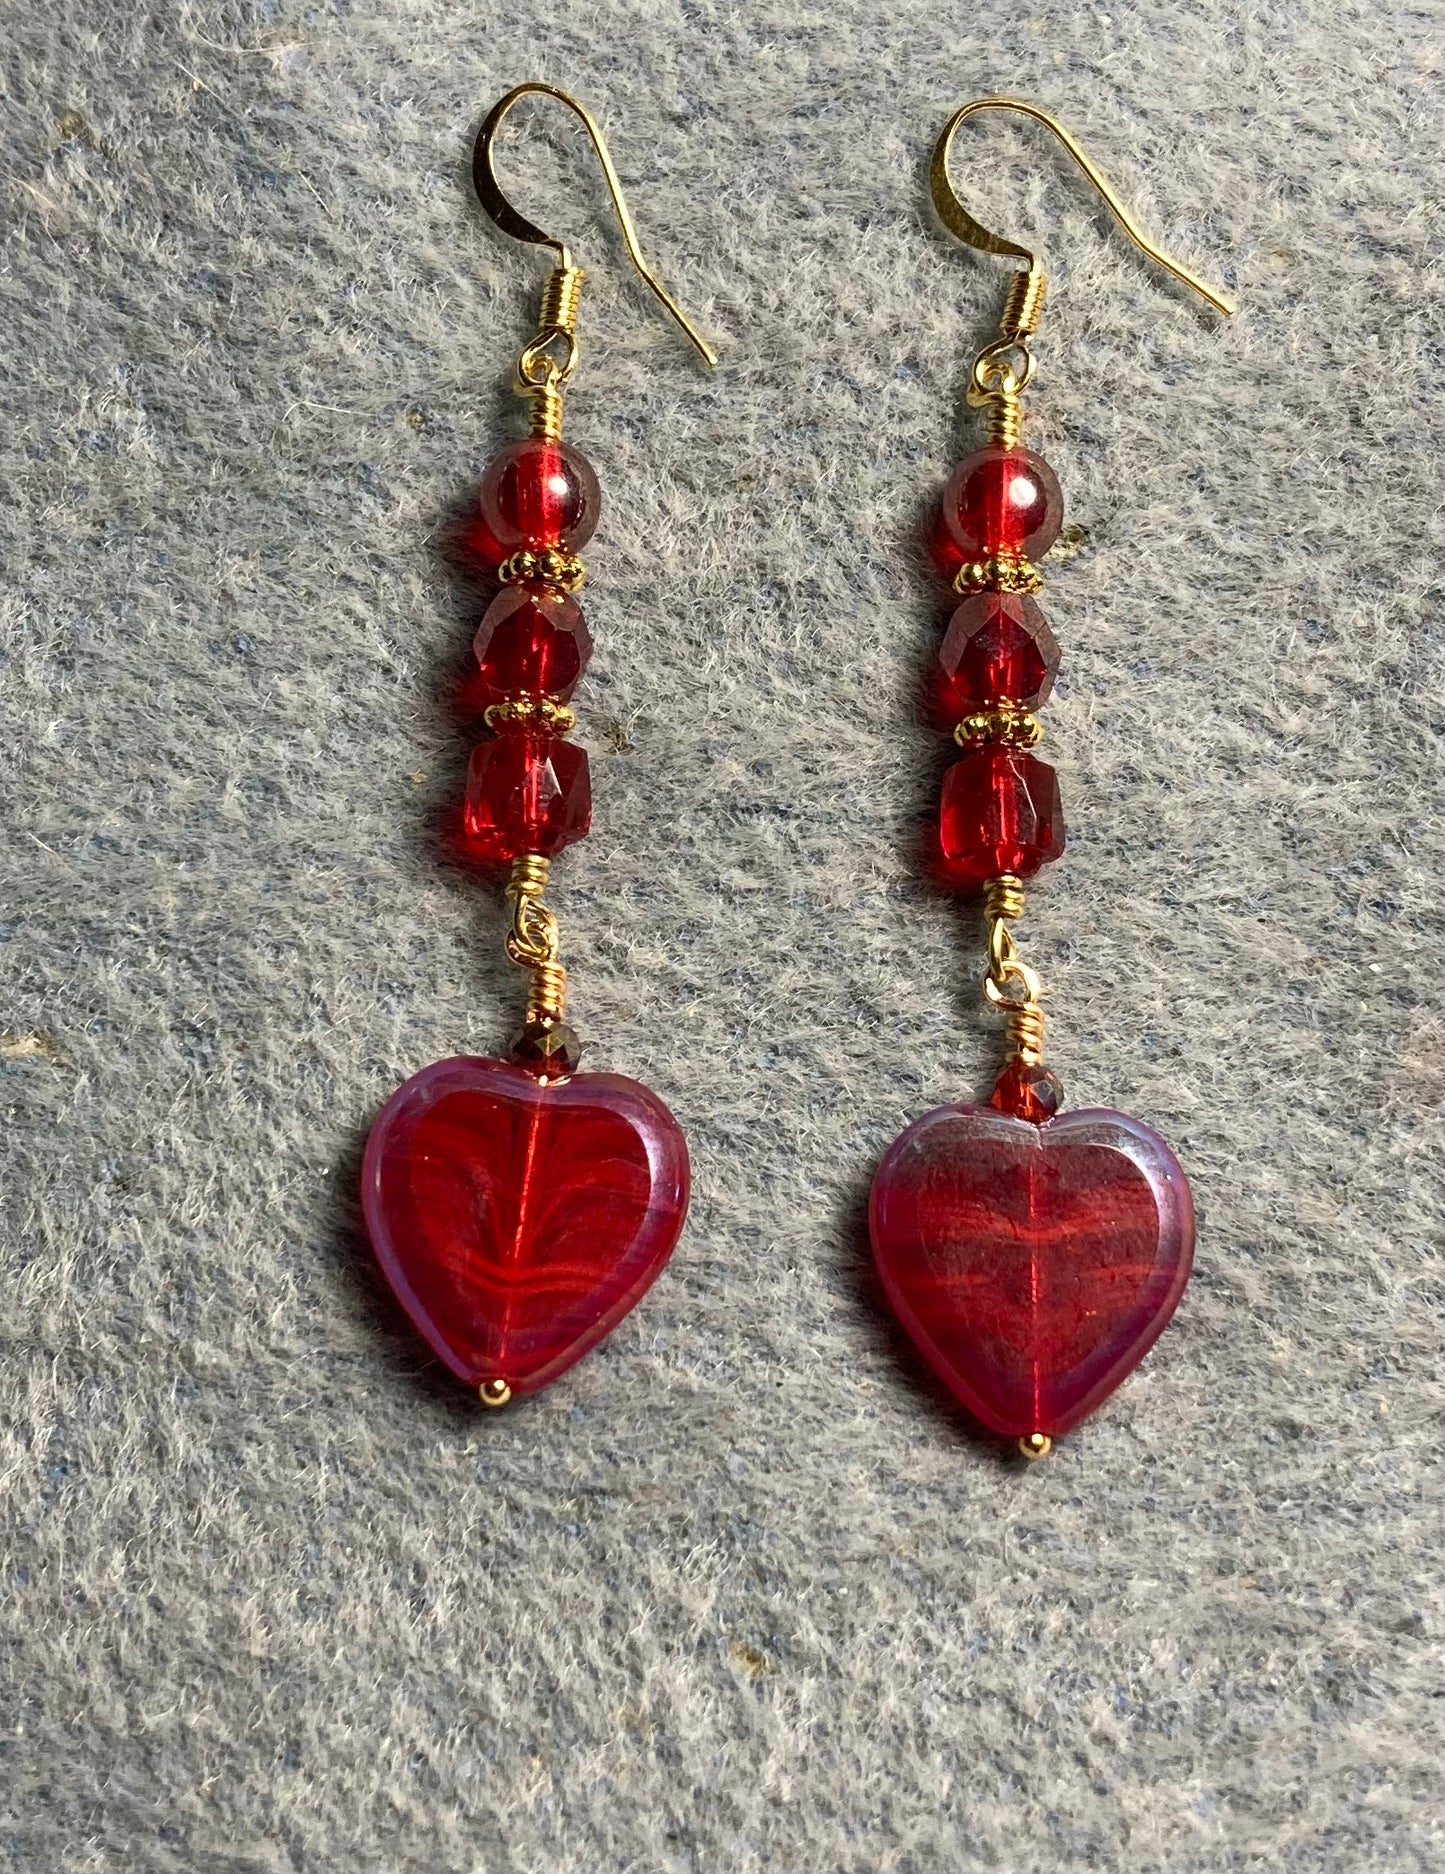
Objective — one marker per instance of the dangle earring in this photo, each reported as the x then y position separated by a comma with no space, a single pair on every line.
519,1208
1033,1259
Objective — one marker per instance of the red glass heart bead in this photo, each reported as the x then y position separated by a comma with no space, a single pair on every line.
1032,1265
518,1222
1002,500
1000,813
532,641
998,646
537,494
526,793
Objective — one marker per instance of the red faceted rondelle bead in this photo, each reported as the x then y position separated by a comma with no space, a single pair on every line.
1034,1265
998,644
526,793
1000,813
533,641
516,1221
1028,1091
536,494
1002,501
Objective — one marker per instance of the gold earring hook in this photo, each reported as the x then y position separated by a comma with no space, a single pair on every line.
510,221
957,219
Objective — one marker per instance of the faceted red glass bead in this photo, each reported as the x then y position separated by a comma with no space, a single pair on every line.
1033,1265
1028,1091
526,793
997,645
1000,813
533,641
1003,501
537,494
519,1222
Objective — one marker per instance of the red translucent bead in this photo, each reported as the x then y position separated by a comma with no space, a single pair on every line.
518,1220
1000,813
1028,1092
533,641
998,644
1002,501
526,793
1033,1265
536,494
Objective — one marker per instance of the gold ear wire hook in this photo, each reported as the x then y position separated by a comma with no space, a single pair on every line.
507,218
957,219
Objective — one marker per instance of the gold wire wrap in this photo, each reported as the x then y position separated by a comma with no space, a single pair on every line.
532,941
1004,420
547,994
544,419
1009,983
560,294
1024,306
548,360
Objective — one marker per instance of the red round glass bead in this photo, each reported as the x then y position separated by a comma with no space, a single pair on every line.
1000,813
998,645
533,641
526,793
1002,501
537,494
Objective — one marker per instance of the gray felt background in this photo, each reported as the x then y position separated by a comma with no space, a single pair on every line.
741,1593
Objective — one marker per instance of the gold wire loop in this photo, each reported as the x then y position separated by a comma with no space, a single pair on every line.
997,371
957,220
1009,983
532,940
995,985
511,221
550,359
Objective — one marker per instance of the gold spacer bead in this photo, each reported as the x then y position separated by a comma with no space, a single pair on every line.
494,1392
1036,1445
1000,572
531,712
1005,722
551,567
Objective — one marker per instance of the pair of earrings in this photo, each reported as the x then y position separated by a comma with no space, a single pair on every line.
520,1208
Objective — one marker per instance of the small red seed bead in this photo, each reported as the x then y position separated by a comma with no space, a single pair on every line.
998,646
1000,813
526,793
1002,501
533,641
536,494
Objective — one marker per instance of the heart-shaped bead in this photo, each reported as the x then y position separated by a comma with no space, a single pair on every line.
519,1222
1033,1265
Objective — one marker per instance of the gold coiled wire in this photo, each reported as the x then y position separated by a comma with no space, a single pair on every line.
1003,897
532,941
547,993
1024,306
1009,983
551,357
560,295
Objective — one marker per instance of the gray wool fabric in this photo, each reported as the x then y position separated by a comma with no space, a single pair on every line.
742,1593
